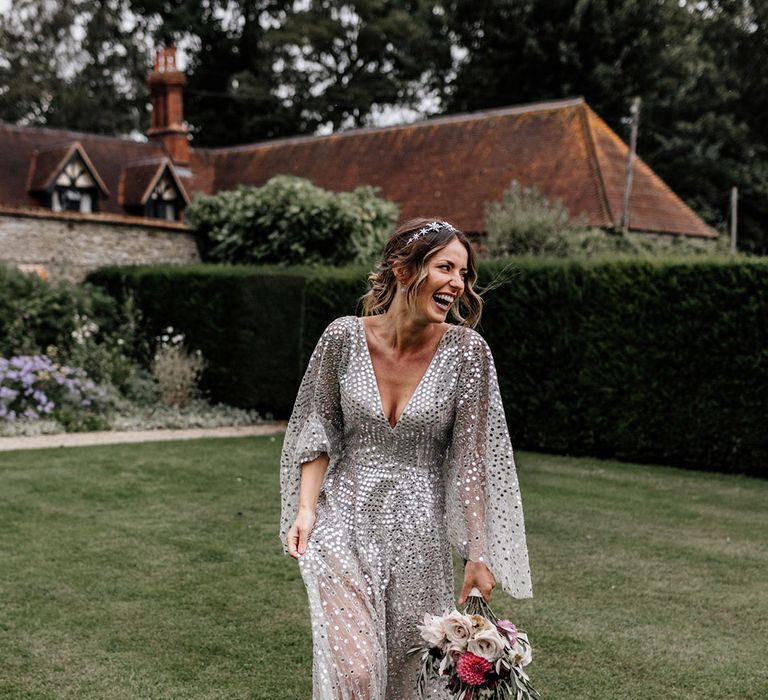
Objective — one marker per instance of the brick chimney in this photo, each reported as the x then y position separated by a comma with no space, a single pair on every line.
166,86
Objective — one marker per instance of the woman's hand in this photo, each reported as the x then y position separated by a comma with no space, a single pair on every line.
477,575
299,532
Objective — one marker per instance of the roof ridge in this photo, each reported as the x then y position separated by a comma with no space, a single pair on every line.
595,160
543,106
150,160
74,135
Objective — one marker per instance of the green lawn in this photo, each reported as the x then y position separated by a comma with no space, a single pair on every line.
154,571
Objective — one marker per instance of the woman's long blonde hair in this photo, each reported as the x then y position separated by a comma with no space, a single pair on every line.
414,257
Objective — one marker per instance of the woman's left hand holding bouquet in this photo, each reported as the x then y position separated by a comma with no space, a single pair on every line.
477,575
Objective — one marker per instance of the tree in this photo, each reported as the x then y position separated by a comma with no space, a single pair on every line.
230,96
274,68
78,64
697,67
341,61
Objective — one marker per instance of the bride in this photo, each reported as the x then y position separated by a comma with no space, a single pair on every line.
398,447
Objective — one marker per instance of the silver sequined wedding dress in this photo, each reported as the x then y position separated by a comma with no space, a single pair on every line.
393,501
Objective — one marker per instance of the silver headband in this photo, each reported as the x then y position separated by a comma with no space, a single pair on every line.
432,226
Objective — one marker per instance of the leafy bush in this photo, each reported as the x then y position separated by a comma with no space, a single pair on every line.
196,414
34,314
109,356
526,222
291,221
596,242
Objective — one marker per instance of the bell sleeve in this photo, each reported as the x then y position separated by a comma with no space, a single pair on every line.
483,505
316,424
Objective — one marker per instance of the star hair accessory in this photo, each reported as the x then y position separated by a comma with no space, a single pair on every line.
432,226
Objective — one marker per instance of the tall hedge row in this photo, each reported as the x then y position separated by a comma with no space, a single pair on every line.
657,361
661,362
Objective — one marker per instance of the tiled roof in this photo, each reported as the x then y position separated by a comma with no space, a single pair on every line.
452,166
108,155
447,166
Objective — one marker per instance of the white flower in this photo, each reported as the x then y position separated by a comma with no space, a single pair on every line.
458,627
433,631
481,623
522,653
487,643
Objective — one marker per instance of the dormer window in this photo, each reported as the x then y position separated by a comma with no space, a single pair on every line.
75,189
165,202
152,188
65,179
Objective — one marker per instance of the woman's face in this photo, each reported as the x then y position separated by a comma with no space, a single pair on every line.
446,272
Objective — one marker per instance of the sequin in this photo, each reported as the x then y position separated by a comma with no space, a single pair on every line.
393,501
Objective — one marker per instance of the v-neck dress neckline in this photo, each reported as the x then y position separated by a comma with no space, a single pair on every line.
367,352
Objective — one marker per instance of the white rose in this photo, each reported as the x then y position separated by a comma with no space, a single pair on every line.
488,644
458,627
433,631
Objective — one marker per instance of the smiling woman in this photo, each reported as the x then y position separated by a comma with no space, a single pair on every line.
368,509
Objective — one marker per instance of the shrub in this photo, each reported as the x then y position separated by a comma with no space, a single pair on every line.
176,371
596,242
102,355
526,222
290,221
375,219
34,386
34,314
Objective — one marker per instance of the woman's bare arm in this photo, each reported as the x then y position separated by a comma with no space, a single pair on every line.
312,474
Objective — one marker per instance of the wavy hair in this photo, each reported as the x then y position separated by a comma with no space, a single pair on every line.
414,258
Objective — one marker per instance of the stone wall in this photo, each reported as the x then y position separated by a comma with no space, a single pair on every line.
66,247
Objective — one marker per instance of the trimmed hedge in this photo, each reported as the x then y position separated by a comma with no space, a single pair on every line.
649,361
660,361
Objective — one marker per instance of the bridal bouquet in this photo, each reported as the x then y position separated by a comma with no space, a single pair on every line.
479,656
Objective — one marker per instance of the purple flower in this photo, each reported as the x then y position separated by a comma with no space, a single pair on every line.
33,385
507,628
